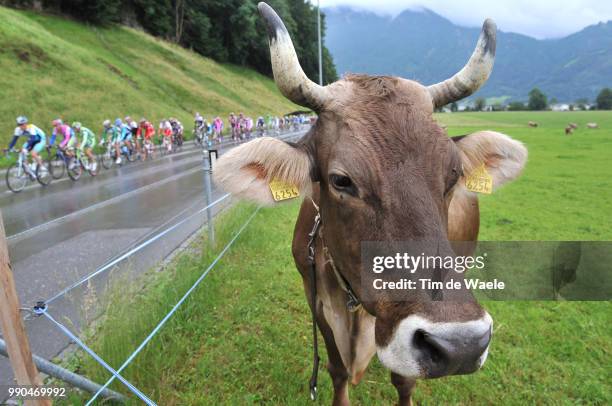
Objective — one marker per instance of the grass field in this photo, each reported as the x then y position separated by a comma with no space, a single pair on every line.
54,67
243,337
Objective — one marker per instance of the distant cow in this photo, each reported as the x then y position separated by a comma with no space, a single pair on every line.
573,125
532,124
592,125
569,129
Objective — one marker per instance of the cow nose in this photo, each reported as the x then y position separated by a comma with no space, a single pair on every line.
450,353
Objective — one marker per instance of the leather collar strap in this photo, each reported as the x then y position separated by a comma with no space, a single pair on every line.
352,304
313,306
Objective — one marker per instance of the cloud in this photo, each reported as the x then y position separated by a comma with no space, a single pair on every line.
536,18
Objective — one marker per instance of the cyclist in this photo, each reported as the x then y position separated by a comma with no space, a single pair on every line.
119,132
260,126
68,139
177,131
88,141
218,129
166,132
107,133
234,125
199,127
37,140
145,133
248,126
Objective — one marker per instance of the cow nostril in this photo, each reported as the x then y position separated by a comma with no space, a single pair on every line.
443,354
429,346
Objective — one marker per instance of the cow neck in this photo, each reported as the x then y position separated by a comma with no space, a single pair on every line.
352,303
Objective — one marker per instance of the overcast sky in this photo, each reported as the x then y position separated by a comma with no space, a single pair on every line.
536,18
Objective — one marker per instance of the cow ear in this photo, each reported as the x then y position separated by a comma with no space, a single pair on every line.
247,170
503,157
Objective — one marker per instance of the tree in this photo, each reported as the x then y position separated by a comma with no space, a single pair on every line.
454,107
229,31
604,99
537,100
480,104
581,103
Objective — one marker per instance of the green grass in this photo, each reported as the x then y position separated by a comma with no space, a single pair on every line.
243,337
54,67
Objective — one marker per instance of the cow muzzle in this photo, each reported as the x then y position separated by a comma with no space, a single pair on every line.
420,348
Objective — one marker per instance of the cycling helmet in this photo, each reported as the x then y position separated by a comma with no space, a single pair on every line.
57,122
133,124
143,120
118,122
76,125
106,123
21,120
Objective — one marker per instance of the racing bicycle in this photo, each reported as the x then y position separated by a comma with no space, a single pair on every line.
20,173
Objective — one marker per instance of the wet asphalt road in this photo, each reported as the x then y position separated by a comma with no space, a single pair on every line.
62,233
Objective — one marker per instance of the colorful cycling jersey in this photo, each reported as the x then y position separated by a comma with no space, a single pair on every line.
89,138
65,131
146,130
218,124
34,134
126,132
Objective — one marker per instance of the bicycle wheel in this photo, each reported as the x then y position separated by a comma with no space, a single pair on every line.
74,169
16,178
43,174
57,166
131,156
106,160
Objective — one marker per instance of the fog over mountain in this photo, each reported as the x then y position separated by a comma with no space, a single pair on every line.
424,46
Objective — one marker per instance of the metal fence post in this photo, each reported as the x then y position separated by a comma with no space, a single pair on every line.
209,157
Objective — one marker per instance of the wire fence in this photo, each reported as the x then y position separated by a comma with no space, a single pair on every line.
41,309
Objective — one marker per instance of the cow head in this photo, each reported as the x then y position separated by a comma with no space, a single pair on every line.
387,172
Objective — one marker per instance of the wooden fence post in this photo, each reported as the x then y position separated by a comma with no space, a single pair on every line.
13,330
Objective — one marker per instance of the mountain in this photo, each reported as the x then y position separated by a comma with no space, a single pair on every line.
55,67
424,46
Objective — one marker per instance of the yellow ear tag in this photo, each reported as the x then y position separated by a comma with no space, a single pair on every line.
283,190
479,181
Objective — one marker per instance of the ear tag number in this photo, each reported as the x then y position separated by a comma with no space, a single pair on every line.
479,181
283,190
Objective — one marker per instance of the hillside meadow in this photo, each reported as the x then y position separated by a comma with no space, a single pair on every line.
243,337
55,67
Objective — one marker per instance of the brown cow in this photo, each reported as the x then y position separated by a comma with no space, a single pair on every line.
377,167
569,129
573,125
532,124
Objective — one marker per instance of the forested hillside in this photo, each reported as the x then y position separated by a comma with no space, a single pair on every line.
228,31
54,67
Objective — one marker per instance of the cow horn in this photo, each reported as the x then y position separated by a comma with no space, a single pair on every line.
473,75
288,74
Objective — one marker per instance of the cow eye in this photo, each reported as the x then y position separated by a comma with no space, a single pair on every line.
454,177
342,183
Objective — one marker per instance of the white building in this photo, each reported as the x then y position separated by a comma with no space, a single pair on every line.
560,107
